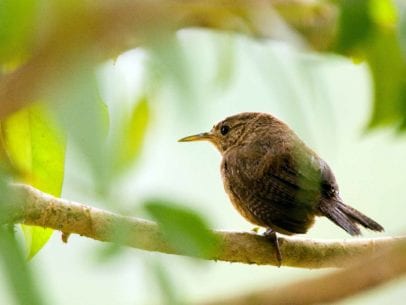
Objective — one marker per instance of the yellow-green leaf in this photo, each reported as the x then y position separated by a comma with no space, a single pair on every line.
132,135
36,149
18,21
384,12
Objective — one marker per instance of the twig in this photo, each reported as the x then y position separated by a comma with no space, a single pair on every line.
99,30
41,209
369,273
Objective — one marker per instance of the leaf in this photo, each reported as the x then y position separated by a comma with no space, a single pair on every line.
388,71
355,25
184,229
369,29
85,119
36,149
17,271
17,25
383,13
384,54
132,135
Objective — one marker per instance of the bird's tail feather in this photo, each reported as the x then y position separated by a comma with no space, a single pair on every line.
347,217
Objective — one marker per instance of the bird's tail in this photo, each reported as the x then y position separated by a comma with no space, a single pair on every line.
347,217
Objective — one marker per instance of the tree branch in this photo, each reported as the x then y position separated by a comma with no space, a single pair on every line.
362,276
40,209
100,30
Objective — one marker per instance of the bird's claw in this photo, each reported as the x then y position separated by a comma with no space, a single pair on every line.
271,236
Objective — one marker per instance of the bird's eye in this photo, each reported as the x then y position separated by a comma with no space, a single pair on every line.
224,130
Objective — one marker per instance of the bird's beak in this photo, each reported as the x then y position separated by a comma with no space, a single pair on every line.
205,136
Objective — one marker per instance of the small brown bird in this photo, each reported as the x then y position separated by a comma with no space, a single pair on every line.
275,181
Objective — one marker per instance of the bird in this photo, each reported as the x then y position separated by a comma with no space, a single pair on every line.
275,181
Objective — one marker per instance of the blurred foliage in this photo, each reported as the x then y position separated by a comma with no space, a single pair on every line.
18,25
15,267
370,29
84,117
185,230
109,148
355,24
33,139
127,142
225,61
35,149
168,65
17,271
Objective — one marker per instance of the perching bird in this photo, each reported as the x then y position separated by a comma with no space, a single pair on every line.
275,181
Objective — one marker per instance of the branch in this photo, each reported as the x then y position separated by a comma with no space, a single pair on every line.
364,275
40,209
100,30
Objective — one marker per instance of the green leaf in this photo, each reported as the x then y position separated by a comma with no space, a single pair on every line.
35,238
383,12
36,150
386,59
355,25
18,20
130,140
388,70
17,271
184,229
127,142
370,29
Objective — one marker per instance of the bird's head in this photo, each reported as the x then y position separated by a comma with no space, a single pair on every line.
234,130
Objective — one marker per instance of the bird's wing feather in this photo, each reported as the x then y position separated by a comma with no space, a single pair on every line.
282,189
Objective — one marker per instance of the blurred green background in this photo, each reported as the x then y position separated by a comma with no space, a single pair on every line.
325,99
104,128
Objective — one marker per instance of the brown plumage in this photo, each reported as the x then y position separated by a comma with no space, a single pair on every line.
274,180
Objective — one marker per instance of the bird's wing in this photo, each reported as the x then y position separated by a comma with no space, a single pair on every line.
283,188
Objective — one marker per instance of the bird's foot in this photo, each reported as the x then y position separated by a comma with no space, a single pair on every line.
272,237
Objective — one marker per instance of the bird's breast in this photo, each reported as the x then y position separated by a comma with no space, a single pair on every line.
233,189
